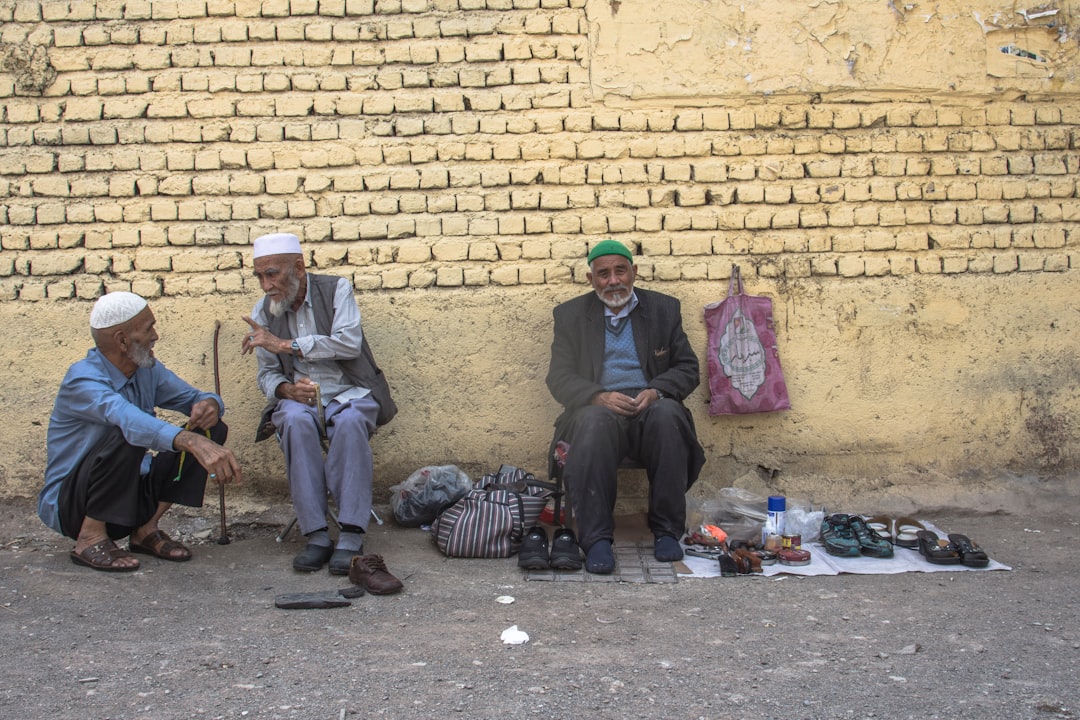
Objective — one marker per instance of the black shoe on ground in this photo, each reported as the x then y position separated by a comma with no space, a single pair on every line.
312,558
533,554
565,552
342,559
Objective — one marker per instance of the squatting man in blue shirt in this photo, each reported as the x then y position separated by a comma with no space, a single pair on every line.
102,483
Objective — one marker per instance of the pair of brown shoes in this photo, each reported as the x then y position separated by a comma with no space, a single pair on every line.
370,573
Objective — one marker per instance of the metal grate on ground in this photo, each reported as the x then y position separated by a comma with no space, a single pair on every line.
633,564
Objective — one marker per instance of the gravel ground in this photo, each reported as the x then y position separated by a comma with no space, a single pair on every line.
204,640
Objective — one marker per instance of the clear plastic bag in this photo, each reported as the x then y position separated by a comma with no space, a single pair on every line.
742,514
738,503
427,492
737,511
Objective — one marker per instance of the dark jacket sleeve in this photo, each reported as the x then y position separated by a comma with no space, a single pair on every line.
570,377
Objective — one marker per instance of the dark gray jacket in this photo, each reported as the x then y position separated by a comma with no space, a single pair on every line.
577,355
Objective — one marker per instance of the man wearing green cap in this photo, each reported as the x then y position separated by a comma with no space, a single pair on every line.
621,366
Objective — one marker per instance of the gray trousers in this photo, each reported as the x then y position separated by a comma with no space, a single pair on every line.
345,472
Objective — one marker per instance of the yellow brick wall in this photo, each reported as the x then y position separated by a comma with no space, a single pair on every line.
452,156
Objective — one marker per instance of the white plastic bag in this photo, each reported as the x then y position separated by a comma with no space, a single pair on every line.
803,520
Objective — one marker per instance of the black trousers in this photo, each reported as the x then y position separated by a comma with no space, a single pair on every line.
106,485
661,438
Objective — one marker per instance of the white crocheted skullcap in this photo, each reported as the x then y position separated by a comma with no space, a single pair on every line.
276,244
115,308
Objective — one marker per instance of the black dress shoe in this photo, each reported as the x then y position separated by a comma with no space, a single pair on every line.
341,559
312,558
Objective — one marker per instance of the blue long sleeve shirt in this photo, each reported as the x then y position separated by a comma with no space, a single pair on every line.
96,396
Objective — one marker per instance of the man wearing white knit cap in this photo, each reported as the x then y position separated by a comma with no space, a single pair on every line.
101,482
307,337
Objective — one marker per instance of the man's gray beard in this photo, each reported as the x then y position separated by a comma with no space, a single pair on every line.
141,355
606,298
278,308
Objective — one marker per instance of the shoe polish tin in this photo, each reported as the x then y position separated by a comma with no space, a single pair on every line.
794,556
791,541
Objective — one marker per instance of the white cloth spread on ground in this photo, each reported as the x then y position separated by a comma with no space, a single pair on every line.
822,563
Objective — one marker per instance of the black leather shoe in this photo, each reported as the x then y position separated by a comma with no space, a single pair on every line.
533,554
312,558
341,560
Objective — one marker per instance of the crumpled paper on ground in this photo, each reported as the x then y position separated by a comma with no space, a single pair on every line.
513,636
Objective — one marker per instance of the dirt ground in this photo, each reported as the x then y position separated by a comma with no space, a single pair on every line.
203,639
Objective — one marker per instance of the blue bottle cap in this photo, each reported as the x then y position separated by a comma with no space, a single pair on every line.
777,503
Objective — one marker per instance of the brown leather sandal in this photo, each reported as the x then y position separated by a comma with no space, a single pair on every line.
161,546
103,556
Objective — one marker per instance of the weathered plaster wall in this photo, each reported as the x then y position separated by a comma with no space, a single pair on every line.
455,158
696,50
893,381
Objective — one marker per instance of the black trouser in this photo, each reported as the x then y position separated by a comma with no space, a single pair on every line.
660,438
106,485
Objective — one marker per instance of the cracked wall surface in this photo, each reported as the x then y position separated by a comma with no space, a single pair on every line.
699,49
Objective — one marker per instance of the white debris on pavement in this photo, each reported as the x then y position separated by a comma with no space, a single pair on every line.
513,636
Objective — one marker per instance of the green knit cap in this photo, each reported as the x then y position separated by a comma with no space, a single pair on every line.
609,247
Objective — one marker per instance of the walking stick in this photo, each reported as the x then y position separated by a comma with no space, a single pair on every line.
323,439
223,539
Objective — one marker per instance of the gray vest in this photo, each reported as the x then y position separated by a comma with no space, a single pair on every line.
361,371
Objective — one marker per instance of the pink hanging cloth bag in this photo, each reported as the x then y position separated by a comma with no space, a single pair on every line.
744,363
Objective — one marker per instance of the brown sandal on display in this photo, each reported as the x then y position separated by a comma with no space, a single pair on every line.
747,561
103,556
161,546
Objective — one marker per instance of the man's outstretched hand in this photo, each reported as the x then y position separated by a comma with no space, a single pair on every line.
218,460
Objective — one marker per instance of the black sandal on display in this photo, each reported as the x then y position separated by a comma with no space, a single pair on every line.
936,550
971,554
